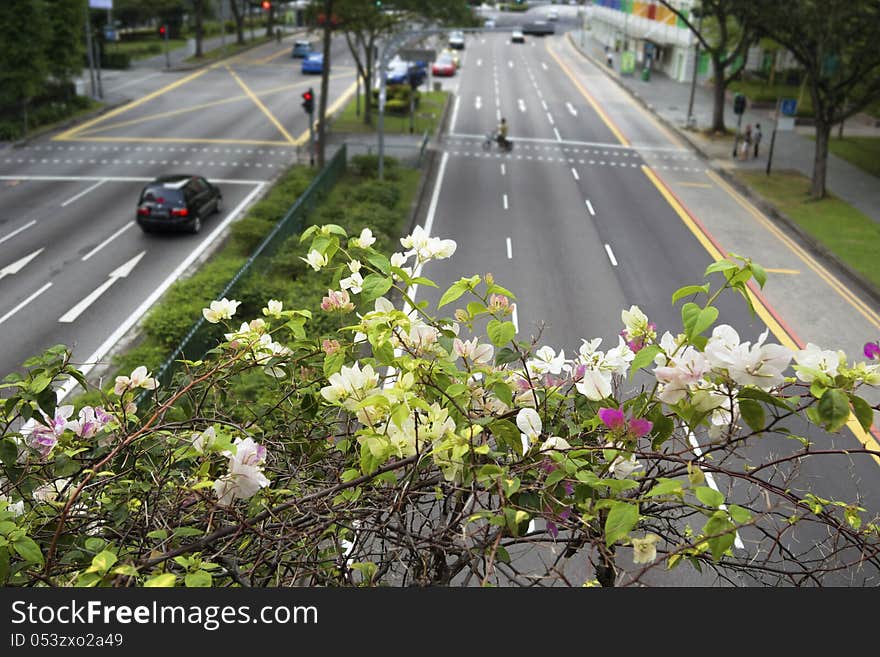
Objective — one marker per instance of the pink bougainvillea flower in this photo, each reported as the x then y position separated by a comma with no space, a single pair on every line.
612,418
872,350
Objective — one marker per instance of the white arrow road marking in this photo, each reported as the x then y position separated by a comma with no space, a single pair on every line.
478,103
571,109
17,231
120,272
510,63
544,103
479,62
25,302
558,136
575,173
522,105
108,240
590,207
82,193
550,118
18,265
544,66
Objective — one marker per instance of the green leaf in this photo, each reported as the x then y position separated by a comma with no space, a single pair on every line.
500,333
644,357
554,477
186,532
165,580
759,273
753,413
666,487
454,292
688,290
765,397
719,524
621,519
103,561
505,355
503,392
689,314
375,285
697,320
28,550
863,412
384,352
126,569
475,308
709,496
8,452
380,262
333,362
507,434
834,409
739,514
200,579
721,265
456,389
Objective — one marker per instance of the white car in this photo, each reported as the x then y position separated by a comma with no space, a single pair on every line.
517,36
552,15
456,40
490,23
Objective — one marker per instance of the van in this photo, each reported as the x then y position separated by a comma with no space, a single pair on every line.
301,49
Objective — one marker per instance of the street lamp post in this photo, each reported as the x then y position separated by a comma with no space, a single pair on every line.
690,115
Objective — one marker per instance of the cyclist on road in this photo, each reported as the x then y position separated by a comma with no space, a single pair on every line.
502,133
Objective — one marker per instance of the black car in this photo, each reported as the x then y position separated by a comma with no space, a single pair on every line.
177,202
539,28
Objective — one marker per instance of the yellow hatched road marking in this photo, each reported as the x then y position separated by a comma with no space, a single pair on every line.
693,184
771,270
68,134
184,140
821,271
866,439
262,107
586,94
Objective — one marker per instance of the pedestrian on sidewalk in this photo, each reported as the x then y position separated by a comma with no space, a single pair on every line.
756,137
609,57
746,144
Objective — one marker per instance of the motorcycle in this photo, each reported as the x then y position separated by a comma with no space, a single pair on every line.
493,137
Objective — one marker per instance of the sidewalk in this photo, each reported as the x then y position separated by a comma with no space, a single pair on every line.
793,150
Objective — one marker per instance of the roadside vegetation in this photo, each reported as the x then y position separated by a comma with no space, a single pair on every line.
427,115
839,227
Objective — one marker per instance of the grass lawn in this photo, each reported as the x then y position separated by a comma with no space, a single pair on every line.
427,116
863,152
760,91
232,48
843,230
145,48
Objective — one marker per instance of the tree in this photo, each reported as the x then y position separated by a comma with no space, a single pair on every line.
726,33
834,40
411,448
239,10
198,8
24,65
66,45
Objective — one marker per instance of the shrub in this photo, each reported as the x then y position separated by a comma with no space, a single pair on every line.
367,166
382,192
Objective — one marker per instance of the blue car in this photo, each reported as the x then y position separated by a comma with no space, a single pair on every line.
313,63
403,73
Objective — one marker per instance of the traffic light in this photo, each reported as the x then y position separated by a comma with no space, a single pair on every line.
308,103
267,5
162,31
739,104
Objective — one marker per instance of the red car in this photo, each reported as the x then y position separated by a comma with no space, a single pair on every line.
445,65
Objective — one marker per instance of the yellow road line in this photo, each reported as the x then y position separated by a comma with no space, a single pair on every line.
184,140
184,110
259,104
67,134
866,439
268,59
602,115
820,271
771,270
693,184
343,98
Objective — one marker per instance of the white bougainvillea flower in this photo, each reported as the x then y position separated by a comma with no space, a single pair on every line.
593,384
622,467
273,308
15,508
638,331
203,441
89,422
50,492
529,422
315,259
473,350
365,240
813,360
219,310
645,548
759,365
139,378
355,283
351,382
680,373
245,475
546,362
425,247
555,443
398,259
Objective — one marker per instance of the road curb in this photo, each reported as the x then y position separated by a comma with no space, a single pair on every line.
66,124
182,68
816,248
430,171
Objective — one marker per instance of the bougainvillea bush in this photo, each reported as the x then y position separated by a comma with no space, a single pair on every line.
433,446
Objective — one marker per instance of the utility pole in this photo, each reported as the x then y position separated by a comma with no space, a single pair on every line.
223,26
691,121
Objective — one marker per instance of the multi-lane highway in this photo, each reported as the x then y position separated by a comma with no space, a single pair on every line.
74,267
598,208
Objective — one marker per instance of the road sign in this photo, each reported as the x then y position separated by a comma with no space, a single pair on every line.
416,55
788,106
101,4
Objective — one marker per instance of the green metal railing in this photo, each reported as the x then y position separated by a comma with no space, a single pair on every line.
203,335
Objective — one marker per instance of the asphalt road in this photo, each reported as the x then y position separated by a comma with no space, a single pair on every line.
575,223
74,267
